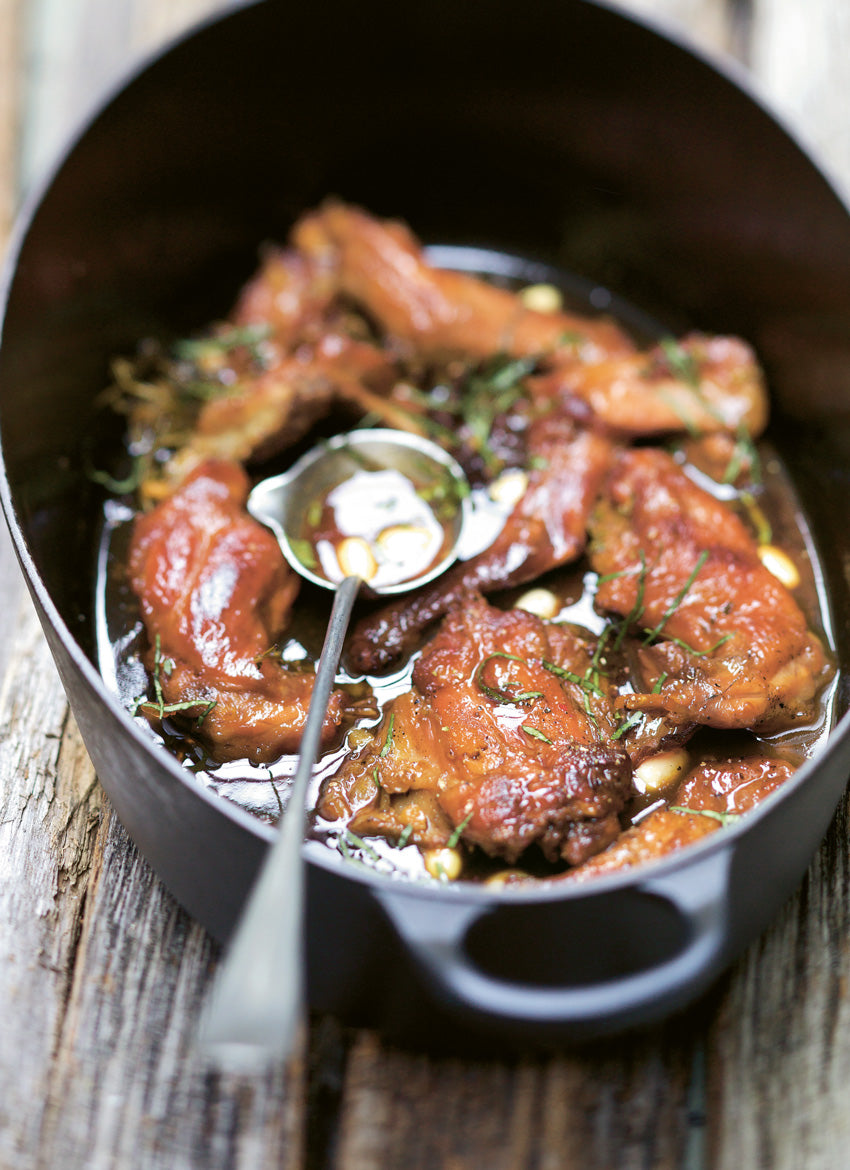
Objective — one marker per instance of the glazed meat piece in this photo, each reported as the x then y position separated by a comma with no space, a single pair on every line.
505,739
731,786
289,298
434,313
722,642
256,382
546,528
700,384
715,792
269,408
662,832
309,355
312,309
215,593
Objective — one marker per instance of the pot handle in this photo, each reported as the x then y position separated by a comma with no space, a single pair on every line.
434,930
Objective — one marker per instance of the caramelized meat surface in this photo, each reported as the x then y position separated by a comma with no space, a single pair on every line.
269,408
731,786
701,384
723,642
545,529
215,593
714,792
501,742
304,355
433,313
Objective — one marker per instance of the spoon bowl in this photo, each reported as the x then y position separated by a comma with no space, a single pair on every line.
283,502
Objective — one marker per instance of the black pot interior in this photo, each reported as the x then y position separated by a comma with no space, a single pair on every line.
573,135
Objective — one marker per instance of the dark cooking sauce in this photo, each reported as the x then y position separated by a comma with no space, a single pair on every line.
393,522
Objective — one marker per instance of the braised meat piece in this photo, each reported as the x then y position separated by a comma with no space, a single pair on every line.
269,407
729,785
722,641
662,832
700,384
545,529
434,313
215,593
289,298
713,794
505,739
305,354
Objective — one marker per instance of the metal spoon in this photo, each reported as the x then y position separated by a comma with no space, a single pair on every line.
253,1015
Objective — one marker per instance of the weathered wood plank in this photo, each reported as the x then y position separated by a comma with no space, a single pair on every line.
78,50
11,69
628,1103
49,813
799,56
127,1085
101,974
780,1049
10,88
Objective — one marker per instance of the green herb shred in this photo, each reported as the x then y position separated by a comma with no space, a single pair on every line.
496,693
158,704
458,830
681,363
535,733
678,599
627,724
388,742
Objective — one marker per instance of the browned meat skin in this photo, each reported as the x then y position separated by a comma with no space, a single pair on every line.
712,384
502,773
699,384
314,356
732,785
268,411
545,529
290,295
215,591
662,832
434,313
733,647
725,786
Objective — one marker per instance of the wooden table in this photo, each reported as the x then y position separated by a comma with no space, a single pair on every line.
102,974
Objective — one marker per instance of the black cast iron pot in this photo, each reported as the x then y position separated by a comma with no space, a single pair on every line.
565,131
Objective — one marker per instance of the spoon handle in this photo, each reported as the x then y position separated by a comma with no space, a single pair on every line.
253,1015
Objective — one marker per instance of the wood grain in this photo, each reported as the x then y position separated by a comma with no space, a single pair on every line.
799,56
48,820
10,89
625,1104
102,975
